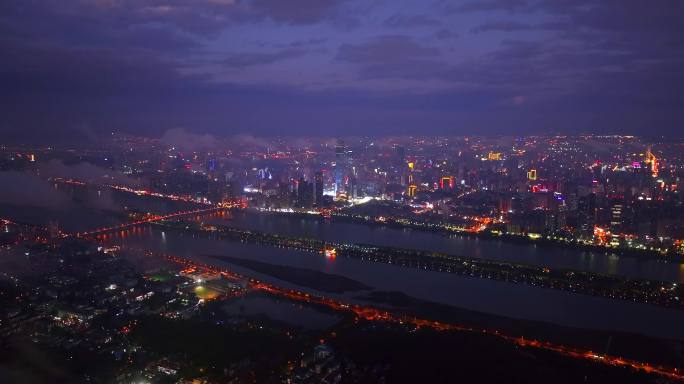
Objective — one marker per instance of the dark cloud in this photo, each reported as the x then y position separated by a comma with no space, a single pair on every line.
249,59
491,5
385,49
445,33
267,66
100,21
27,189
393,56
502,25
53,68
303,11
244,140
308,42
182,139
410,21
86,172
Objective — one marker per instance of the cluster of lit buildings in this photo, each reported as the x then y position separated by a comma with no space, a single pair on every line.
609,190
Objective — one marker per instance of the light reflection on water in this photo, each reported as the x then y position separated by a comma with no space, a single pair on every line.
547,256
500,298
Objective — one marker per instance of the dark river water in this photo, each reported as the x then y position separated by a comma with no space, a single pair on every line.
551,256
500,298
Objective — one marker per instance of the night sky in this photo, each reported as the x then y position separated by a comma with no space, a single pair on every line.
335,67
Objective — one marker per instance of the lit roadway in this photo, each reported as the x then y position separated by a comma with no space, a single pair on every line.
143,192
138,192
374,314
151,219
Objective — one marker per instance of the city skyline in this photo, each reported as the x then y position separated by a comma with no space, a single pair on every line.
122,260
341,191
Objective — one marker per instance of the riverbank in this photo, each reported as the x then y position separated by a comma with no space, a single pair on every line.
638,290
670,257
320,281
406,311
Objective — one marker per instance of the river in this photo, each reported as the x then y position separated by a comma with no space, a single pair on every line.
547,255
493,297
500,298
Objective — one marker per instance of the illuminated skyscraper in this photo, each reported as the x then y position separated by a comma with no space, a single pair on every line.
617,215
652,162
342,160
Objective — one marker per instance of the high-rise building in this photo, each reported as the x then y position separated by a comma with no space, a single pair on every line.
586,214
652,161
401,153
340,150
340,165
617,215
304,193
318,189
